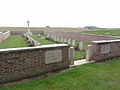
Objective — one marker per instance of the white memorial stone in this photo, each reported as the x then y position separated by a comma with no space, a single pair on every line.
53,56
73,42
65,39
58,39
81,48
105,48
69,41
61,39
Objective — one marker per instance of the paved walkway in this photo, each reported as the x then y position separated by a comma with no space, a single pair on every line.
80,62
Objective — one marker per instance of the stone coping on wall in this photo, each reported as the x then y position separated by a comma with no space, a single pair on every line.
37,47
6,32
106,41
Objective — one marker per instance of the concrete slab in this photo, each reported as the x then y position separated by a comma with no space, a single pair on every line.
80,62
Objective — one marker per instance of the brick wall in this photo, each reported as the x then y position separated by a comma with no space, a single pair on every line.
19,63
105,50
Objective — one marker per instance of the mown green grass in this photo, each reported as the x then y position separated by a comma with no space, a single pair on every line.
104,32
14,41
42,39
78,55
92,76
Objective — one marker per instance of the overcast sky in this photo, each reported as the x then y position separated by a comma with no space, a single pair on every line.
60,13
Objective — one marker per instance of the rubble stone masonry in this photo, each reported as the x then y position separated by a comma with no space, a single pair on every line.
105,50
20,63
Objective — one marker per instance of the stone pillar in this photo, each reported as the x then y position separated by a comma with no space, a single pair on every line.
89,53
71,55
69,41
81,48
73,42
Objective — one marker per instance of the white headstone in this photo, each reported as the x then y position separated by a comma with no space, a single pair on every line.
81,46
61,39
65,39
58,39
69,41
73,42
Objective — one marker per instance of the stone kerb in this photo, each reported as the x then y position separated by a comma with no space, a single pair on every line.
105,50
6,35
31,40
19,63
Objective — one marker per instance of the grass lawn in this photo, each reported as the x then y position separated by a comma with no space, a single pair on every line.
104,32
42,39
92,76
14,41
78,55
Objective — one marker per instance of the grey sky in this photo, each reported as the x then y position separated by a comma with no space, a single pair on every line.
60,13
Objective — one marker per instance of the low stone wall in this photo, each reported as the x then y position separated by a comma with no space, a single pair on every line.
104,50
31,40
4,35
20,63
21,32
81,37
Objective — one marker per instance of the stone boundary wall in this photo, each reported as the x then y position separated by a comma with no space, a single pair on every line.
20,63
21,32
30,40
104,50
4,35
81,37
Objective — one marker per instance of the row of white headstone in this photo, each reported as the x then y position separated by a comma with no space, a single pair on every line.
65,40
